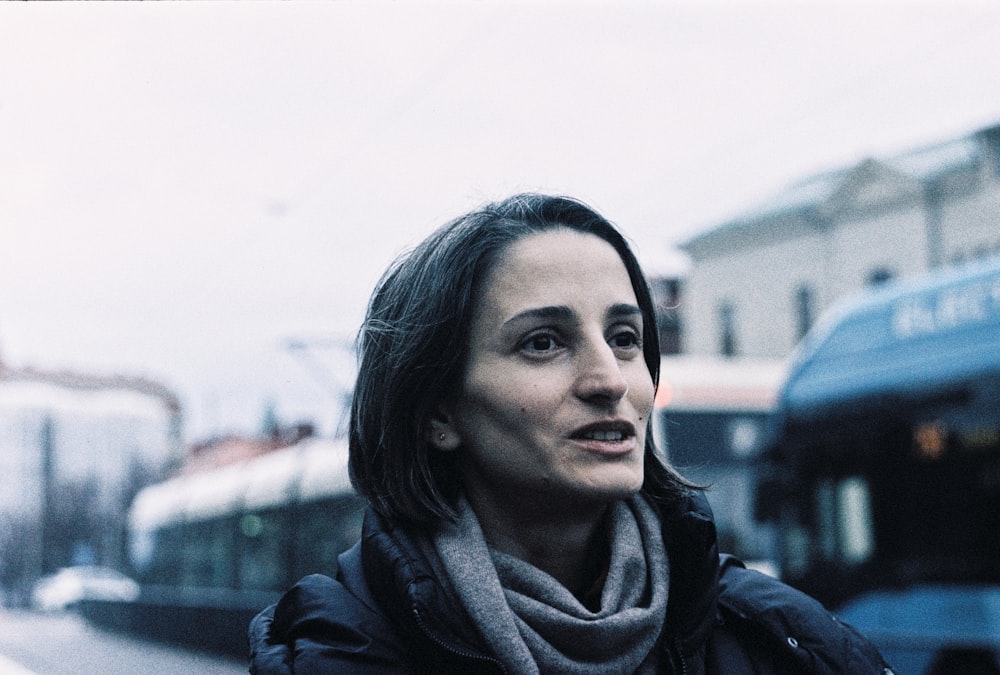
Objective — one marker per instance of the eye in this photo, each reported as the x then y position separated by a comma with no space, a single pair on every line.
540,343
626,339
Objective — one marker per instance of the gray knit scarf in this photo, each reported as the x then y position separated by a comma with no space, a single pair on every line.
535,625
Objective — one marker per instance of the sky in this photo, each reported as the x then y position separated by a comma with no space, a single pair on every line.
186,189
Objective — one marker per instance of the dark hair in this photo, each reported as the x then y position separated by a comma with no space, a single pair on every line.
414,345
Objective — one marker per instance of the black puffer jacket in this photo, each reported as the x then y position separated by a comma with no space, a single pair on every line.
387,613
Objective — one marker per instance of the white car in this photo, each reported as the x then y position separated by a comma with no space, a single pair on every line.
70,585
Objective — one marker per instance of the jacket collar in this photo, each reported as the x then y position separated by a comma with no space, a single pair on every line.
404,584
690,537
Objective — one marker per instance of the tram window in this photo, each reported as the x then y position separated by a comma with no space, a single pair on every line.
262,563
325,529
167,558
315,545
142,548
208,554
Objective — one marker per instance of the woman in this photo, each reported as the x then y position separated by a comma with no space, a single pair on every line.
521,519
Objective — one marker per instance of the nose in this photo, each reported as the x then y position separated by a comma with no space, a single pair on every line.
600,377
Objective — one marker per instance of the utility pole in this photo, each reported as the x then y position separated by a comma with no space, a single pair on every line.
47,443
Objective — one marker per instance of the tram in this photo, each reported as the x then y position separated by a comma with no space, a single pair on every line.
883,474
213,548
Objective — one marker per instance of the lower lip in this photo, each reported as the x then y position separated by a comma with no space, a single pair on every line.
607,448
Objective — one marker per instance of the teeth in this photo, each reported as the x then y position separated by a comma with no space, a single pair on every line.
605,435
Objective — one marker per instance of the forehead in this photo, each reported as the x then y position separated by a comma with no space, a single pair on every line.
557,267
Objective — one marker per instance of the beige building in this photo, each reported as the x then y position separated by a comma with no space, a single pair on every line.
758,282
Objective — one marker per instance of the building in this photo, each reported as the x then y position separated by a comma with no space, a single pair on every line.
666,292
74,449
759,282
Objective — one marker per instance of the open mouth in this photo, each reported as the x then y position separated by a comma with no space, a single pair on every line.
606,432
605,435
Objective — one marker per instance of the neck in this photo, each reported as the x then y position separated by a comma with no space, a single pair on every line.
572,548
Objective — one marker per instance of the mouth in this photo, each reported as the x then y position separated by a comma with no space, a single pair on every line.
605,432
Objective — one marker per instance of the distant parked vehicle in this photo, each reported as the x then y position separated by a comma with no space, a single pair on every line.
711,420
70,585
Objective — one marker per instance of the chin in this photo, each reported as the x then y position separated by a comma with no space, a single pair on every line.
618,487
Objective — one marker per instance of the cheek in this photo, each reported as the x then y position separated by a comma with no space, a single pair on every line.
537,405
518,403
527,415
642,398
508,409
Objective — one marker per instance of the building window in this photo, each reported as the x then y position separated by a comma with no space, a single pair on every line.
880,275
727,330
666,296
803,310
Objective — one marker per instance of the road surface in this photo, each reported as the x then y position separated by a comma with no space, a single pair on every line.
33,643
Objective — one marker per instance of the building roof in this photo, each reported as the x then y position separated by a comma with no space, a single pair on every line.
811,194
932,161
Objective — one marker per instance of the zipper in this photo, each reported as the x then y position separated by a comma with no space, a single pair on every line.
476,656
680,655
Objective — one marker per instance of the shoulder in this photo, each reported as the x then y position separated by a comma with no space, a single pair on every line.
790,625
323,625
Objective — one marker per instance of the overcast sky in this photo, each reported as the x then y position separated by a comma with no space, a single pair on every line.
186,186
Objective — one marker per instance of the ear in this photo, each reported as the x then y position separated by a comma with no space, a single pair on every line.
441,433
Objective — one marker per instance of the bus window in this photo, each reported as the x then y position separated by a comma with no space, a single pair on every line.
796,548
855,512
826,517
843,525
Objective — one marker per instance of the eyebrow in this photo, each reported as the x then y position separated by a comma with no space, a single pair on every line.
624,310
563,313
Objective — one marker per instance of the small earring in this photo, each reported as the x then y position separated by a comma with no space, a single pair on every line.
441,436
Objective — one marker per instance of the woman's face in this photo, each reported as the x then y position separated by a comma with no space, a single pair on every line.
556,394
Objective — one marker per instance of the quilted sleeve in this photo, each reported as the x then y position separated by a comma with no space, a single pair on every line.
796,628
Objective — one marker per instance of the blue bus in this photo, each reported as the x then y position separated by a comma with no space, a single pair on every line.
882,476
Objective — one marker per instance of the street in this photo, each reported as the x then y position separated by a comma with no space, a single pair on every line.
33,643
